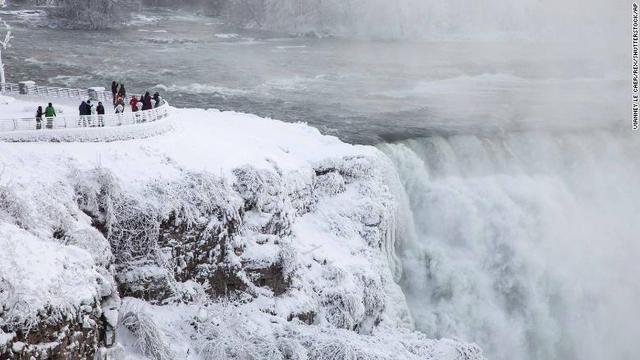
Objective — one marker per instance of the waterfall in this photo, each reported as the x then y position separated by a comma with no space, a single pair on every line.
525,243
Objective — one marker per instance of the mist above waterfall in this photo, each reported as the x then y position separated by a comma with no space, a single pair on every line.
432,18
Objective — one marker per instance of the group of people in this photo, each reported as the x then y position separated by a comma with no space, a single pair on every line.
49,112
86,110
145,102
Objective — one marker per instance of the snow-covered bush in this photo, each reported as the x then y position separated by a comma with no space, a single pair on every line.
49,296
196,199
230,334
134,229
149,339
225,331
13,210
92,14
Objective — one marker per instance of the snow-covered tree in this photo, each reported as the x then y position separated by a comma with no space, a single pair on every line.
5,40
93,14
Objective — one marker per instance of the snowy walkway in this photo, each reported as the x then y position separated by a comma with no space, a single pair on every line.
18,123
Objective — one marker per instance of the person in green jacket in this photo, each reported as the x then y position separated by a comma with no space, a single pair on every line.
50,113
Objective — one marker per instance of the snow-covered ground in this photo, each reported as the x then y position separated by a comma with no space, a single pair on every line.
291,232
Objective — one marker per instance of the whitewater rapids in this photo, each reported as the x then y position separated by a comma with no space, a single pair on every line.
525,243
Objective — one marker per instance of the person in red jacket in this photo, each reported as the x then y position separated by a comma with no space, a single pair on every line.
134,104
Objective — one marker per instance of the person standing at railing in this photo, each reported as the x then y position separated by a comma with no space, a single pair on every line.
120,105
134,103
50,113
82,109
140,104
100,112
146,102
39,115
157,99
122,92
114,91
89,113
120,110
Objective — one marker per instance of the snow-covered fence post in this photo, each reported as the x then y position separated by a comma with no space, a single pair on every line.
24,87
94,93
4,43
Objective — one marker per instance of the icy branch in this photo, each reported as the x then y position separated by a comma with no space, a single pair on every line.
4,44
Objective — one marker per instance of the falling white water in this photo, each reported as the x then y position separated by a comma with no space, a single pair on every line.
526,244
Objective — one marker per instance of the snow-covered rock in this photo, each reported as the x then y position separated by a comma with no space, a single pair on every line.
238,237
49,303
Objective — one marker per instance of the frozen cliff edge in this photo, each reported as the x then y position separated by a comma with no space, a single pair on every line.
230,236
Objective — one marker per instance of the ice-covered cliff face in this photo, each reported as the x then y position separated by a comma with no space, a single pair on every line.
231,236
525,243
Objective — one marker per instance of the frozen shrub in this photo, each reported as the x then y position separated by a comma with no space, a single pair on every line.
230,334
150,341
197,199
330,184
351,168
260,189
292,349
131,226
134,229
333,349
94,193
92,14
264,191
342,310
13,210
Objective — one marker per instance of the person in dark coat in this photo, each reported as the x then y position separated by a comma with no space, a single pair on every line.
100,112
114,91
122,92
100,109
156,98
39,115
83,108
146,102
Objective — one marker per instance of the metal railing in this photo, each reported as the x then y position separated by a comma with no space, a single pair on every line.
86,121
78,121
9,88
52,91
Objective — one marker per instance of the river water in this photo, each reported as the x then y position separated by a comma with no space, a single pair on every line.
362,91
515,158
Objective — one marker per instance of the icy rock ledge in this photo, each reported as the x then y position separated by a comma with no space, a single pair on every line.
281,251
